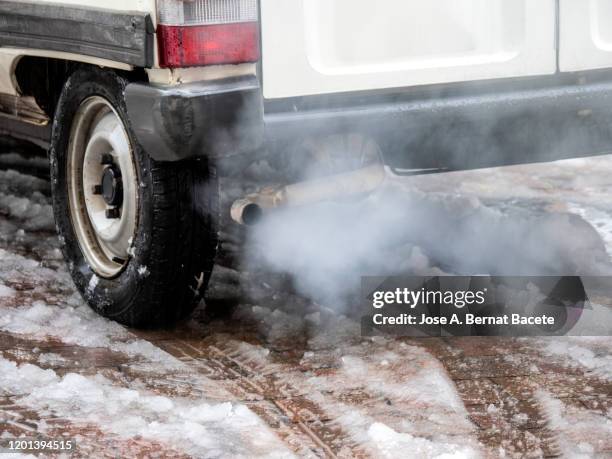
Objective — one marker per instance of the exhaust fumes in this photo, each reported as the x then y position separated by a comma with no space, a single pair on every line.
326,236
327,247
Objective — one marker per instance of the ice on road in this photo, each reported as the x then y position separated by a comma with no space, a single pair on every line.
285,375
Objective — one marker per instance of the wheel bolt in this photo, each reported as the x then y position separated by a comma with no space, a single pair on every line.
97,189
107,159
113,213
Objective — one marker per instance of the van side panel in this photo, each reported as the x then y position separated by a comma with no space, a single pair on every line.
322,46
585,35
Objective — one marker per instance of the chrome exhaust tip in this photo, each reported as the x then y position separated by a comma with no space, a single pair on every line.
246,212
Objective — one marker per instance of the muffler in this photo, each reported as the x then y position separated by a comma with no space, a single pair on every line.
250,209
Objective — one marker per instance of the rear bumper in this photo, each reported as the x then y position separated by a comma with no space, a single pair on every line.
446,130
440,129
218,118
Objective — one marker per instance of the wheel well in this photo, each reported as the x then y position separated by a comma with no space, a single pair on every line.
43,78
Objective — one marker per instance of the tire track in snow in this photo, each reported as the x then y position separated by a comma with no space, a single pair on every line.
303,425
310,384
500,379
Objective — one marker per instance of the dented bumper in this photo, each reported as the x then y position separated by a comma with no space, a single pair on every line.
215,119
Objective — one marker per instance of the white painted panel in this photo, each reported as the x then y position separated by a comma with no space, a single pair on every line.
120,5
585,35
324,46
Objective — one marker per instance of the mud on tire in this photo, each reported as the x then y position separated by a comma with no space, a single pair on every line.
172,249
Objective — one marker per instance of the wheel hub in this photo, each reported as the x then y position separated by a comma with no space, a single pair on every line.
112,186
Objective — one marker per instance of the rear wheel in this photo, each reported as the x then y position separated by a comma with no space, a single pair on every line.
139,236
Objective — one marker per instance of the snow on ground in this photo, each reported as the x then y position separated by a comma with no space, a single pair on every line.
574,427
594,354
76,324
390,398
219,430
389,442
22,199
39,304
434,422
194,427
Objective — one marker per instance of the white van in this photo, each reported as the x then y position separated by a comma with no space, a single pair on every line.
137,100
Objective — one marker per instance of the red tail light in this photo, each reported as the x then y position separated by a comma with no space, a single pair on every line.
207,32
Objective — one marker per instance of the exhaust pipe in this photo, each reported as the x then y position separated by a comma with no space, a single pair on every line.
250,209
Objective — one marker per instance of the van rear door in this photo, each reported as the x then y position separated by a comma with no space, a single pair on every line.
326,46
585,35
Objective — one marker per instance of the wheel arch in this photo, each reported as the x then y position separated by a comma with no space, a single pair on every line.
42,75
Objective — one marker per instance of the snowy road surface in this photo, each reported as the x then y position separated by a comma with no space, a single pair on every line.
283,376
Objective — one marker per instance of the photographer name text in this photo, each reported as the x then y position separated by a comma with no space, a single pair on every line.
467,319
